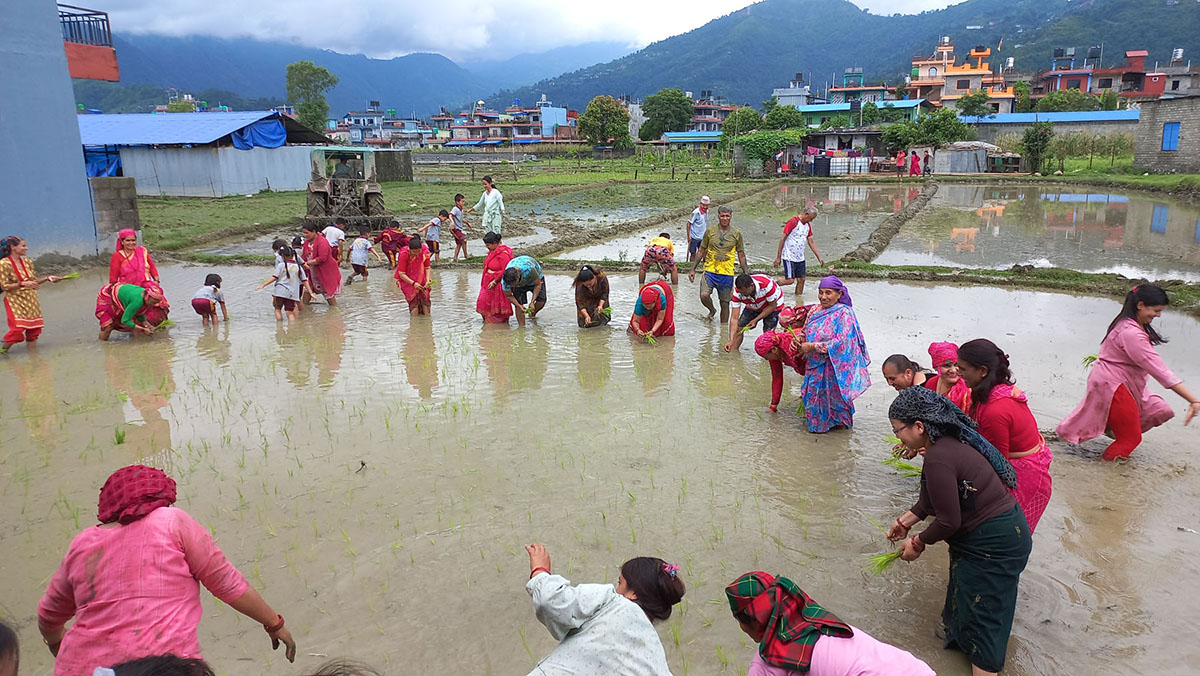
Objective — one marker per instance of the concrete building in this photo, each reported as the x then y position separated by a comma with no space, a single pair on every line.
796,94
1093,121
47,197
1168,137
854,89
517,125
692,140
636,117
710,112
941,80
818,113
1183,79
1131,80
203,154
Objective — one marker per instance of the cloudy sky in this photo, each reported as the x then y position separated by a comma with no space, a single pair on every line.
459,29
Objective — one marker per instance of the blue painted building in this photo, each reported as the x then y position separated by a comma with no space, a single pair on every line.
46,195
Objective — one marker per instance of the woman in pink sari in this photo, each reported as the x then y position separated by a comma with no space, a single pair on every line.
492,304
948,382
132,264
321,264
779,348
1117,397
1002,411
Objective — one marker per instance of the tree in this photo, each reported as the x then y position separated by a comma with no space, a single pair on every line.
605,121
897,137
306,87
1066,100
651,130
765,144
1109,100
670,108
1035,142
975,104
870,114
1022,104
838,122
769,104
784,117
902,90
934,129
740,121
181,106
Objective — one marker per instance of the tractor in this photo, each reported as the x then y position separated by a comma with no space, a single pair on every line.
344,185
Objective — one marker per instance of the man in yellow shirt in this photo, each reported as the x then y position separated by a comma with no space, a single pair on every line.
717,247
661,252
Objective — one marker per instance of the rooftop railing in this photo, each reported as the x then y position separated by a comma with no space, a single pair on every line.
84,26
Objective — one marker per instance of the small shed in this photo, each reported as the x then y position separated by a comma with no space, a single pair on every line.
200,154
963,157
867,140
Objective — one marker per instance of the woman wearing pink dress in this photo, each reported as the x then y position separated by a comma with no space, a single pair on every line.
132,583
132,264
1117,398
321,263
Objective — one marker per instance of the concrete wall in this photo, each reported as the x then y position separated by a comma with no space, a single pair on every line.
989,132
115,202
216,172
959,161
1148,154
394,165
46,197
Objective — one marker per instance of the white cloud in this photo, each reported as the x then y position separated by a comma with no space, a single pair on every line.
474,29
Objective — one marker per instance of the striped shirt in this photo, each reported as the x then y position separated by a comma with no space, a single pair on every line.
765,291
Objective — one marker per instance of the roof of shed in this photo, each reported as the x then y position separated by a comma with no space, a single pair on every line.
141,129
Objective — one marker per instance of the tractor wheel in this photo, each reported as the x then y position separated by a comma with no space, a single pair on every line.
316,205
375,206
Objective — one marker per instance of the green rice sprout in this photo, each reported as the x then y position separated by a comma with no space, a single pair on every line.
881,562
746,329
1089,360
607,311
165,324
650,339
904,468
800,408
72,275
118,436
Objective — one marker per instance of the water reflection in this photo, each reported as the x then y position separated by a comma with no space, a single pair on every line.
594,357
37,400
420,356
146,382
214,343
654,365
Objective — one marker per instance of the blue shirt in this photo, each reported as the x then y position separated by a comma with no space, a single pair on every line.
640,310
531,272
697,224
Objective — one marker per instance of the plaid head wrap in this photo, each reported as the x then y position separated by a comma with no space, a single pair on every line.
133,492
791,621
942,418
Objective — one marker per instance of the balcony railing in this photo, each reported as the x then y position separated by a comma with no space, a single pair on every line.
84,26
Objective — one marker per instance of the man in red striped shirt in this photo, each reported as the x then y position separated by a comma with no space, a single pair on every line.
759,297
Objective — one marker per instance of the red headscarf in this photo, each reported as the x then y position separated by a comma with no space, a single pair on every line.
127,232
942,353
133,492
650,296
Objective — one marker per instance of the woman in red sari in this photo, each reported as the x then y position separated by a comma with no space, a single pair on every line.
491,304
1002,411
654,311
948,382
132,264
412,276
321,264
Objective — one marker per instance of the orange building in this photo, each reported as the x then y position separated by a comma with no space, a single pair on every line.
939,79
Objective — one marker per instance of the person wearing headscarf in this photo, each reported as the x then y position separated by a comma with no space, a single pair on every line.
591,297
126,308
779,348
1002,412
796,634
948,382
491,304
837,359
965,483
19,284
132,583
132,264
654,311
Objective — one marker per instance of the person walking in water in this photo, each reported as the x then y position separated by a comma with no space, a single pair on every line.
697,225
492,203
717,248
19,284
797,232
1117,398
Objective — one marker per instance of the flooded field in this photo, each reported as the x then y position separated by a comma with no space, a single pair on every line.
375,475
847,216
619,203
997,227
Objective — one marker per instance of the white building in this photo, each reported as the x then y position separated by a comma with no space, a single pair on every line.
795,94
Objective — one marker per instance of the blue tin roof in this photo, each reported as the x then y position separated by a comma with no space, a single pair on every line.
692,136
1132,115
141,129
845,107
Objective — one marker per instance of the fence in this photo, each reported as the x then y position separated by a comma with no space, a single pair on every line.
84,26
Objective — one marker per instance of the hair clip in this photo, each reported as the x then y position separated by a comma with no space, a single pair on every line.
670,569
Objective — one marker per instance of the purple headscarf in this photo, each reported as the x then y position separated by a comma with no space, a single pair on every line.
832,282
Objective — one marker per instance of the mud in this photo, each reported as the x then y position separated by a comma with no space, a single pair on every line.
478,439
882,236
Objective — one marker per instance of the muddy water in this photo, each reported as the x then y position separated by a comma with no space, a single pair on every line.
478,439
847,214
618,203
994,226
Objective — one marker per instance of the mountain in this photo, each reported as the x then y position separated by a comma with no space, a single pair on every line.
523,69
417,83
744,55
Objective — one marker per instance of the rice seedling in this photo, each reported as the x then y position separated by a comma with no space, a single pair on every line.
118,436
881,562
905,468
650,340
1089,360
166,323
70,275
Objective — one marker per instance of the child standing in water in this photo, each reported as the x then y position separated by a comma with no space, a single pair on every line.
458,226
359,250
290,282
19,284
205,301
433,233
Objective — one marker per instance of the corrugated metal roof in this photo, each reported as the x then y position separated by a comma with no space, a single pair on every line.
678,136
845,107
141,129
1131,115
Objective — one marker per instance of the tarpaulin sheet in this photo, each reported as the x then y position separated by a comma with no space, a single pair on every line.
100,163
264,133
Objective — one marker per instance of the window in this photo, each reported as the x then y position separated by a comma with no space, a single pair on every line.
1170,136
1073,84
1158,222
963,84
933,72
1174,85
1106,83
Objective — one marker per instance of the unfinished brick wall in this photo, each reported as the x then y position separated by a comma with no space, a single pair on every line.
1148,154
114,202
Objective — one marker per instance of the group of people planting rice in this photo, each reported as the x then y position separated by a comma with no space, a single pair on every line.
132,584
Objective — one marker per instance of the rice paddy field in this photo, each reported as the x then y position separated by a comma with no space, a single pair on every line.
375,475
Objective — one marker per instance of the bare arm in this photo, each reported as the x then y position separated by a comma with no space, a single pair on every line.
812,244
252,605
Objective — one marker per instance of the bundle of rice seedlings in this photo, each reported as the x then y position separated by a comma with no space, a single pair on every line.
1089,360
71,275
607,311
881,562
650,339
904,468
165,323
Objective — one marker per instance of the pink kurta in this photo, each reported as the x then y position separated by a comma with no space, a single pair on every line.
134,591
1126,358
859,655
325,270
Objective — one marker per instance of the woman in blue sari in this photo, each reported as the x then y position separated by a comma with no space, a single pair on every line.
837,359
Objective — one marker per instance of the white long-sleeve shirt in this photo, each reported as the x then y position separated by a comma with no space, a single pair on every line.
600,632
492,204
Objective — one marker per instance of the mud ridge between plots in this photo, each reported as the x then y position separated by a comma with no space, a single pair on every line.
890,227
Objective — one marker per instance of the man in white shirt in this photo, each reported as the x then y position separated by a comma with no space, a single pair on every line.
336,234
697,225
797,232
